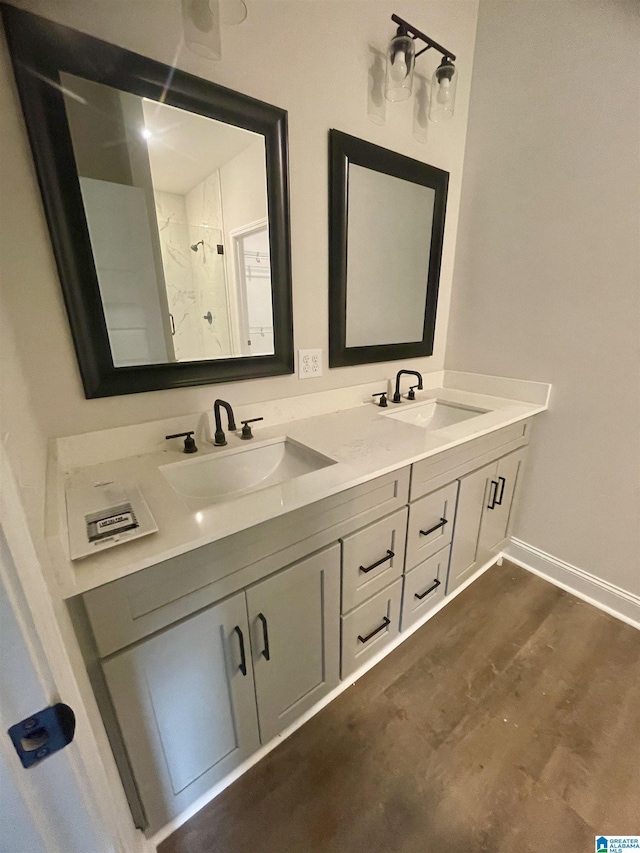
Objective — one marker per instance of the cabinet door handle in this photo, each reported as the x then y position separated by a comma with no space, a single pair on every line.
493,494
386,621
265,632
435,527
389,556
243,657
436,584
502,485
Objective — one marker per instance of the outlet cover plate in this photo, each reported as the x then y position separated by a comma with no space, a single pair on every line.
309,363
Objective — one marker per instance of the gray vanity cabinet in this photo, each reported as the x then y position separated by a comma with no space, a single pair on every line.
483,512
190,706
294,618
185,703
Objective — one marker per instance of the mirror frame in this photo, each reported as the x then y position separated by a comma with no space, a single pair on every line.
343,150
40,49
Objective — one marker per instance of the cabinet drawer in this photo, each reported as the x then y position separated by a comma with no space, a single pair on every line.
430,524
370,627
372,558
424,588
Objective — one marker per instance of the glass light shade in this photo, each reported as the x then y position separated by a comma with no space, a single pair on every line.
401,57
443,91
201,23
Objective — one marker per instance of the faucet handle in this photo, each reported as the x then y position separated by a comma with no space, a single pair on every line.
412,391
383,398
189,442
246,429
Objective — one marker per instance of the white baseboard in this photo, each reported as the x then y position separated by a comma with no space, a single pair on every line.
606,596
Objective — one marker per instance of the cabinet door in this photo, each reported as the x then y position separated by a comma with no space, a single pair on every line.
466,551
495,520
185,704
295,638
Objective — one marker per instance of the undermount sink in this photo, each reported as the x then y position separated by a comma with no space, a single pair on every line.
222,476
436,414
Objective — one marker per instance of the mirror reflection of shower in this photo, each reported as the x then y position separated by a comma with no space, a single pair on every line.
173,197
200,206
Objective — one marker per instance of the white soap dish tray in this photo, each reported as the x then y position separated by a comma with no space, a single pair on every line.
104,514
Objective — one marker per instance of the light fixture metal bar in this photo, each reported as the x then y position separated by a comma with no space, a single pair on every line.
412,31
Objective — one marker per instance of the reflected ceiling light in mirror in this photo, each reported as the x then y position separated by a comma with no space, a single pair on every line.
401,57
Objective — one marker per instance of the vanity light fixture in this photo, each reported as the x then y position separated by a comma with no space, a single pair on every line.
401,57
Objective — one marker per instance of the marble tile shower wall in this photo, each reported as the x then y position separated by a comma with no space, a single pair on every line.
204,215
195,281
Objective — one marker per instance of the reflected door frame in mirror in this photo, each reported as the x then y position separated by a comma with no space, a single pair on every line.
40,51
345,150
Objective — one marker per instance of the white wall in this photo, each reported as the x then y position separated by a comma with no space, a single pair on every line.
547,276
243,188
309,57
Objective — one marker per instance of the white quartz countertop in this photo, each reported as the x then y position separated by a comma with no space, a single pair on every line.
363,440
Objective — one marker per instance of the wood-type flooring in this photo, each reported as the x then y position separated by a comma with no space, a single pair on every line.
509,723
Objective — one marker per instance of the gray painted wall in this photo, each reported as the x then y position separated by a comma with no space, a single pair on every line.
547,274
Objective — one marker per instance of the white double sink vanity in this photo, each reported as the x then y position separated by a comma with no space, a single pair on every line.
281,565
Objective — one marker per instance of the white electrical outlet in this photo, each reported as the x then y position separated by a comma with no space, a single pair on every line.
309,363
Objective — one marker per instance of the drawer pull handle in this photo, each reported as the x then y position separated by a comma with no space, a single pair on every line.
386,621
436,584
265,632
502,485
435,527
389,556
493,494
243,658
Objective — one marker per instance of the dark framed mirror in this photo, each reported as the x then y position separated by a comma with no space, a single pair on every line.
386,224
166,198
